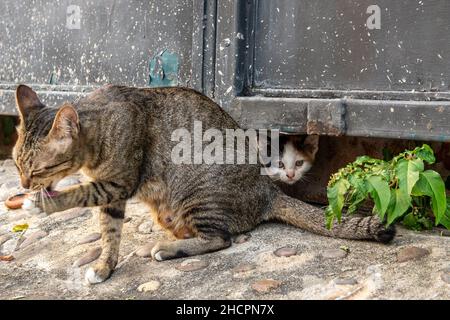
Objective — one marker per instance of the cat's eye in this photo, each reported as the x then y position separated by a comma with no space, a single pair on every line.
299,163
280,164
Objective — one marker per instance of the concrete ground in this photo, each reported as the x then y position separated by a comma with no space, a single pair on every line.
51,256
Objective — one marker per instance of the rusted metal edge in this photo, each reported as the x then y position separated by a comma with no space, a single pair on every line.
415,120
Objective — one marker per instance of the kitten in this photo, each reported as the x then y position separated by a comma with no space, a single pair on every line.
296,157
121,137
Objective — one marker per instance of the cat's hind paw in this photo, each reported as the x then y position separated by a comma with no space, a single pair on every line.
167,250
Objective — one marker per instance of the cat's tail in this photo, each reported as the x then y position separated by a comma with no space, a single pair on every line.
310,218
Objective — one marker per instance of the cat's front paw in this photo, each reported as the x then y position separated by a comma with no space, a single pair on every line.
97,274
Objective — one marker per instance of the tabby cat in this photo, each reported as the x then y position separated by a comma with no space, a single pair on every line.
121,138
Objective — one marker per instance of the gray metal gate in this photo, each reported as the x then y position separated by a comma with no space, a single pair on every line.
336,67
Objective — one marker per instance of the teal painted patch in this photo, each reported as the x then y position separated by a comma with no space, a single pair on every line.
163,70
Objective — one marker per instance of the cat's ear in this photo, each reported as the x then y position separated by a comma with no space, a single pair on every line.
311,144
66,123
27,101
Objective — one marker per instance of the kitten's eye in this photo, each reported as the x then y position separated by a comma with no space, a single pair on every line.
299,163
280,164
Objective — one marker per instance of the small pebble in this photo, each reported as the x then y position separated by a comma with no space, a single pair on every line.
334,254
266,285
88,257
192,265
32,238
411,253
127,219
243,268
445,233
149,286
146,250
285,252
90,238
242,238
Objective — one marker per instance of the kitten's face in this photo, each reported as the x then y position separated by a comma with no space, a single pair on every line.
296,159
46,149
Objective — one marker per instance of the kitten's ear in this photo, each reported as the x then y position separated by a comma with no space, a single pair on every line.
66,123
311,144
27,101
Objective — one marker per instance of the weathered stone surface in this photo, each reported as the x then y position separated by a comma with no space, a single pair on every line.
149,286
192,265
5,238
16,216
266,285
70,214
146,250
8,163
145,227
88,257
334,254
8,189
32,238
9,246
312,280
285,252
445,276
345,281
90,238
242,238
45,268
411,253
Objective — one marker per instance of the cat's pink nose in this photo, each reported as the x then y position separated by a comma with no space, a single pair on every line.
290,175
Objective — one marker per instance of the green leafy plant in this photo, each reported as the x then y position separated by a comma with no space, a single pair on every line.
400,188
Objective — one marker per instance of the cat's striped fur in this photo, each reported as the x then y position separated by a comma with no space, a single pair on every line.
121,138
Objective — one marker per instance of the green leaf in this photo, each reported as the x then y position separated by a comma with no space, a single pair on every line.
407,172
422,188
336,197
402,203
438,197
417,222
358,195
329,216
445,220
425,153
20,227
410,221
380,193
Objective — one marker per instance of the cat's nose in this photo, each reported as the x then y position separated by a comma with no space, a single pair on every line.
290,175
25,182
